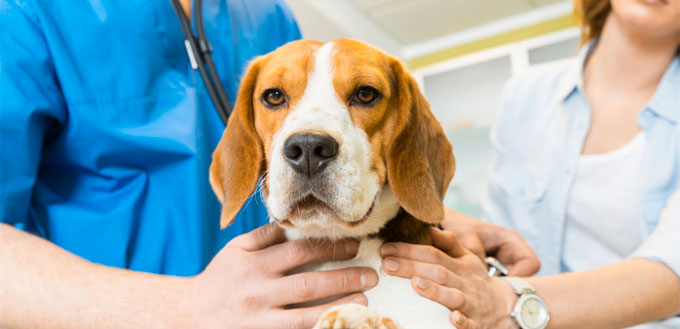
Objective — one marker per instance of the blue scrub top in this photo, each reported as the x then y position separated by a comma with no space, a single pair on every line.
106,133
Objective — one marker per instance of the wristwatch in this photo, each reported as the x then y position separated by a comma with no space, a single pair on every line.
531,311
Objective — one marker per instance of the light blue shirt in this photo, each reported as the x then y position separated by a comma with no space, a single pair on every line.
539,134
538,137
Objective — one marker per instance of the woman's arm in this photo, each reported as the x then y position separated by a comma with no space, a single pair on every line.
631,292
614,296
634,291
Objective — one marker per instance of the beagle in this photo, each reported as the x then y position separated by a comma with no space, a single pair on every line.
343,145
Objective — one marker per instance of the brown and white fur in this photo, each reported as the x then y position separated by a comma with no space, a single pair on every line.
384,183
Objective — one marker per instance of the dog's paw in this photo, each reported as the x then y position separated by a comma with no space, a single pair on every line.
354,316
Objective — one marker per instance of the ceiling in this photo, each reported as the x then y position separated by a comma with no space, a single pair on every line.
395,24
412,21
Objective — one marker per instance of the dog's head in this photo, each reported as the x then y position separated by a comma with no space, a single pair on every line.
338,136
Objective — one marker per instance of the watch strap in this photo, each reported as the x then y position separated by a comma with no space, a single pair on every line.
520,286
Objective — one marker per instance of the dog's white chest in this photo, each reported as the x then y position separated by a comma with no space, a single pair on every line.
393,296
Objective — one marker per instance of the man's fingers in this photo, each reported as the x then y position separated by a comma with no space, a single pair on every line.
308,316
311,286
407,268
447,296
287,256
525,267
447,242
259,238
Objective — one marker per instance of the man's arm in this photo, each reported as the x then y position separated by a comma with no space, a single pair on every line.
44,286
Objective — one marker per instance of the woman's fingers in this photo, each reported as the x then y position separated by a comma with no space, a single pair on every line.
459,320
447,242
525,267
510,249
416,252
449,297
465,228
407,268
446,247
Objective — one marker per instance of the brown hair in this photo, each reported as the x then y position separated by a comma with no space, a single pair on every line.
590,15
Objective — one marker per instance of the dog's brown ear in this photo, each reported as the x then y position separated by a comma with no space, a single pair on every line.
238,159
419,157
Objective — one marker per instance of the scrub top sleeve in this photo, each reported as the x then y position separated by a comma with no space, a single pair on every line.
662,245
31,107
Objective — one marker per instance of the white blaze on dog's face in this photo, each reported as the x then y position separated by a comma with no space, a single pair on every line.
340,199
341,138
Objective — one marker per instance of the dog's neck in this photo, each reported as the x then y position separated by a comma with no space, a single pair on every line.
387,221
401,228
405,228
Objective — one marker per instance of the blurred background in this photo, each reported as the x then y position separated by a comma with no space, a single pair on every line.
461,52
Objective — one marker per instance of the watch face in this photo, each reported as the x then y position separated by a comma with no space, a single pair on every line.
533,312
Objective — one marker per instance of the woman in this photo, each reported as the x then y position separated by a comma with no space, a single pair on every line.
586,168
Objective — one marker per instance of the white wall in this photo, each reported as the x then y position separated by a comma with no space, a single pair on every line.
464,95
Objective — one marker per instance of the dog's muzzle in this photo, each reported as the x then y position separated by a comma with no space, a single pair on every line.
309,154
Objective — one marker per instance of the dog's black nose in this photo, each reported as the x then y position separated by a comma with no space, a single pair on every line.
308,153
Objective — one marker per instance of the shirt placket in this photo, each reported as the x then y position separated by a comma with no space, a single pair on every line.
579,124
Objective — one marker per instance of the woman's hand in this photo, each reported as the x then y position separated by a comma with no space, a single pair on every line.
485,239
454,277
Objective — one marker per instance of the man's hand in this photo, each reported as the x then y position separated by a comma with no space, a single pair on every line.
247,285
484,239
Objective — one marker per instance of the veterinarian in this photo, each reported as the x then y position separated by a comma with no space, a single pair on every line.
106,135
587,169
106,139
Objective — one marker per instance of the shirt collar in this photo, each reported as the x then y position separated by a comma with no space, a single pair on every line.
666,99
573,77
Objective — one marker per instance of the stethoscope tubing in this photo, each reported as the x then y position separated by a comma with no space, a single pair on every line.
199,51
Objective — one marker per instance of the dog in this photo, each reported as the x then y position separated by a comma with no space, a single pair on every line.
342,144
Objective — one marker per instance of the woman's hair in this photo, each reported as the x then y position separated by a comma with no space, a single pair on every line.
590,16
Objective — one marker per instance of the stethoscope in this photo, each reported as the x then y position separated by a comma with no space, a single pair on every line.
198,49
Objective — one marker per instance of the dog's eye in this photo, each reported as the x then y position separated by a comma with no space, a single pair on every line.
273,97
366,95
